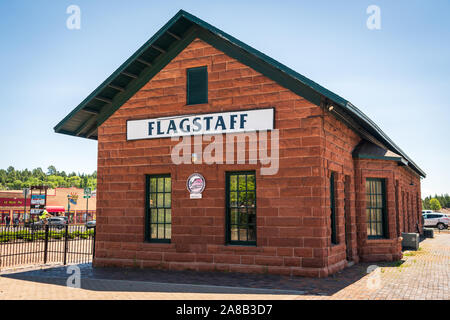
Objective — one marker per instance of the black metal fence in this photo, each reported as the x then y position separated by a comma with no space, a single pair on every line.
42,244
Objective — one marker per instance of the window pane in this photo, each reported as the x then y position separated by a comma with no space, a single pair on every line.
153,184
251,198
373,229
252,216
252,232
160,185
379,203
251,182
153,200
233,199
242,198
233,183
160,202
154,215
168,215
234,216
242,184
168,185
168,231
167,200
161,231
160,215
243,234
153,232
243,219
378,215
234,233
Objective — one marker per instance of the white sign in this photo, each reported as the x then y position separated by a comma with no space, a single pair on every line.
212,123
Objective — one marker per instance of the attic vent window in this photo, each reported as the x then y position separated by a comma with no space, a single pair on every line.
197,85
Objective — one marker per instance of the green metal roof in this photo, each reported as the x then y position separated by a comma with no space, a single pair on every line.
168,42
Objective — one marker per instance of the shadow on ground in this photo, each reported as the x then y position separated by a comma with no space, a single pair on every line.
154,280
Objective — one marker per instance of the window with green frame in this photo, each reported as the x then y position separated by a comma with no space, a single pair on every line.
159,208
241,208
197,85
376,208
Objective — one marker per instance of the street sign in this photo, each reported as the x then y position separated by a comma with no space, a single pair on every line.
87,191
87,196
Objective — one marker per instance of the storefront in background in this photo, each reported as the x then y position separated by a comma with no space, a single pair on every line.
12,205
57,204
336,190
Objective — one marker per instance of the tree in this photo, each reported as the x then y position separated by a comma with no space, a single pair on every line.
74,181
12,179
10,174
51,171
435,205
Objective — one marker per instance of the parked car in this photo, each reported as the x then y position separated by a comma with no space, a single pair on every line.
427,211
58,222
91,224
436,219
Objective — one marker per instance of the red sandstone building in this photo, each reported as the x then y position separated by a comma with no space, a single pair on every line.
343,192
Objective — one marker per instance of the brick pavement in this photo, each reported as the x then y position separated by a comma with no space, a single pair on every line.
422,274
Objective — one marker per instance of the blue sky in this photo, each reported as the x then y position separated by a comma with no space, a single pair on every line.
398,76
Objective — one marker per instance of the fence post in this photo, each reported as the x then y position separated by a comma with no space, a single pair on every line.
46,244
93,244
66,242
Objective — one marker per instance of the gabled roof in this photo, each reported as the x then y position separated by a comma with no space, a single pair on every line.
168,42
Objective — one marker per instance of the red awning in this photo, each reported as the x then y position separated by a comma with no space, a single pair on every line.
55,209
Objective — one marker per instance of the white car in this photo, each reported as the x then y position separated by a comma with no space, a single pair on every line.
427,211
91,224
436,219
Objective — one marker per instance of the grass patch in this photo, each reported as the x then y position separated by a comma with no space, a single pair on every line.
409,254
